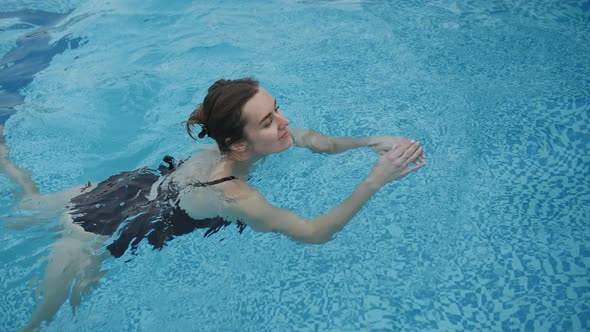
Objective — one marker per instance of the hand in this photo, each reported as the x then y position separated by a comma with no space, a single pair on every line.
383,144
394,164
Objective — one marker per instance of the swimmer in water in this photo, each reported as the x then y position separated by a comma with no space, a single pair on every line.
209,190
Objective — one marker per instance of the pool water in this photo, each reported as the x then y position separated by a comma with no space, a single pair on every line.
494,234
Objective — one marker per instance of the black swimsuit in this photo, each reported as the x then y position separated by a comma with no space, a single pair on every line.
119,205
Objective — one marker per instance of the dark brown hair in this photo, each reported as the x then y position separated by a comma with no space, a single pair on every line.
220,114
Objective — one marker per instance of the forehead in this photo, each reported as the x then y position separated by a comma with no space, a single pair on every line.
258,106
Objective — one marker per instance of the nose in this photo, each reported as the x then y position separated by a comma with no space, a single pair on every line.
284,122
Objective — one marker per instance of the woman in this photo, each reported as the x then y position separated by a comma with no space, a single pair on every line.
260,129
209,190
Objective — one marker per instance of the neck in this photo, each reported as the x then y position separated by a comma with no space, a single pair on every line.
239,164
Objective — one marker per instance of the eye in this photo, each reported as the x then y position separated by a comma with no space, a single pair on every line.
277,108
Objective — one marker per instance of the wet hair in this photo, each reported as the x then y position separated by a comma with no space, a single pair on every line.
220,114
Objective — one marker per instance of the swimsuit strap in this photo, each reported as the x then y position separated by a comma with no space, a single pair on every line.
211,183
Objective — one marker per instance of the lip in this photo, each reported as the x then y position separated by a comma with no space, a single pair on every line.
285,135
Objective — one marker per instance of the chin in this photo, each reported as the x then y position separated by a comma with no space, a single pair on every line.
283,145
287,143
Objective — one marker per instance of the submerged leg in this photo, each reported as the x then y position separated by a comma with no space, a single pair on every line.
17,175
42,209
72,266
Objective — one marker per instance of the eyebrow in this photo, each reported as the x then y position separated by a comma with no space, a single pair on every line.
268,115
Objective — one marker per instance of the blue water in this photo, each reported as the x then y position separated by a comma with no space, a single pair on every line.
494,234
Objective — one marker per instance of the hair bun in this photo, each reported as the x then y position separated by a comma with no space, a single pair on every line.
199,115
203,132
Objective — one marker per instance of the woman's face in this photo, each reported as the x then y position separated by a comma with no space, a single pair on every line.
266,127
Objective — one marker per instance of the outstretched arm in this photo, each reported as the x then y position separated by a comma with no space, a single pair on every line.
317,142
253,208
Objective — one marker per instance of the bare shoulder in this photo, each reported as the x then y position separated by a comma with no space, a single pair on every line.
236,190
247,204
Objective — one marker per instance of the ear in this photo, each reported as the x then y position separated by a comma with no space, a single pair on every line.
240,146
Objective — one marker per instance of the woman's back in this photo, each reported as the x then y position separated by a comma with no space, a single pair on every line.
195,180
131,206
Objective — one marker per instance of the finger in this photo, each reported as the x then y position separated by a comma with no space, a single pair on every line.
423,154
398,150
403,153
413,157
412,169
411,150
